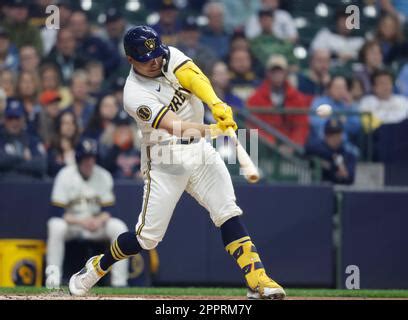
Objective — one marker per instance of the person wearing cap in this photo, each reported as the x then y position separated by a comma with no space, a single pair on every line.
115,29
122,159
276,93
49,100
266,43
338,159
189,42
8,53
168,25
82,207
16,22
22,156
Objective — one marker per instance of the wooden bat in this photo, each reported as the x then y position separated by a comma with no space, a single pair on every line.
250,171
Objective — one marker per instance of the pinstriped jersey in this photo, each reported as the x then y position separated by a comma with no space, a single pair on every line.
147,100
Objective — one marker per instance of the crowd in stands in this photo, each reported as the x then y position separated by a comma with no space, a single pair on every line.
58,85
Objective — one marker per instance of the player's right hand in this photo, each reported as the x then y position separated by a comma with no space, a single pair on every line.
221,112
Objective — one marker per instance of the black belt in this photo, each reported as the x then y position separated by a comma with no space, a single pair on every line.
184,141
187,140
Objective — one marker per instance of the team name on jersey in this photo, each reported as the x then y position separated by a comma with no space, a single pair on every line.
177,101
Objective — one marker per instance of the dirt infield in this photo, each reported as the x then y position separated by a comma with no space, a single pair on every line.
157,297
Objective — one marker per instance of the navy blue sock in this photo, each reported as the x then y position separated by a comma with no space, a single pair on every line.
233,229
124,246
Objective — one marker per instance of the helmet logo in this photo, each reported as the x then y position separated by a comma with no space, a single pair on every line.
150,44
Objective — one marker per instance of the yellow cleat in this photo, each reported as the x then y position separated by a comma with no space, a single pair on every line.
266,289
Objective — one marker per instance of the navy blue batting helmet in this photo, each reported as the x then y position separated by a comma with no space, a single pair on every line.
143,43
86,148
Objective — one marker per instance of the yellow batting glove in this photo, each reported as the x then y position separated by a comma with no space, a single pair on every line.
222,128
221,111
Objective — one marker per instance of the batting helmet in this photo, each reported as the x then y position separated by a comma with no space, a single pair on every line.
86,148
142,43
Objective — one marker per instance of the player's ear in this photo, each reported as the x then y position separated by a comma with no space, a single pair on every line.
130,59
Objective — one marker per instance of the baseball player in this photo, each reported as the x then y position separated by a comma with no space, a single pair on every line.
82,197
164,93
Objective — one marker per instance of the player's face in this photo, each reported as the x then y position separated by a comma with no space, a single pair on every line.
86,166
150,69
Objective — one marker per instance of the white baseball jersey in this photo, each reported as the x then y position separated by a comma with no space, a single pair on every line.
147,100
81,197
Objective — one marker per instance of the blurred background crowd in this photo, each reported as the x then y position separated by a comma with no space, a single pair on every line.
273,61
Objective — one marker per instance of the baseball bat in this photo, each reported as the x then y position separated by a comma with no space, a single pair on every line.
250,171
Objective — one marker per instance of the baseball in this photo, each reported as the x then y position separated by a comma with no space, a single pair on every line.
324,110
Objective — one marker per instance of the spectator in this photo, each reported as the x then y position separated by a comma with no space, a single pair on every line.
390,36
339,98
371,59
65,55
214,35
266,43
22,156
121,158
397,8
117,89
384,106
9,58
313,81
276,93
340,42
61,151
3,102
243,76
49,35
283,27
49,101
82,200
50,79
239,41
96,78
81,106
168,26
16,23
220,79
105,111
338,160
28,89
190,45
29,59
239,12
115,29
356,90
8,82
402,80
91,46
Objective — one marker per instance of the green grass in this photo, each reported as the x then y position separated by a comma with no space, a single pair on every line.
193,291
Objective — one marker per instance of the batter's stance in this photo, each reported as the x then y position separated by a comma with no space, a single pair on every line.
164,93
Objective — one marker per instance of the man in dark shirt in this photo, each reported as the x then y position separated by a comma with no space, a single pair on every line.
22,156
338,160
